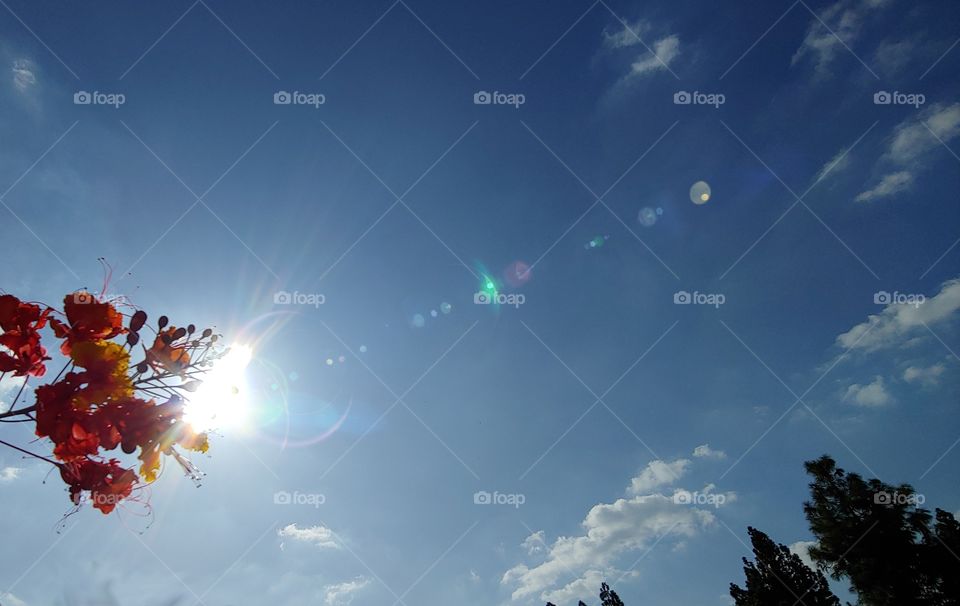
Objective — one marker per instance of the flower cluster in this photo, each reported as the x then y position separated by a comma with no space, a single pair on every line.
101,401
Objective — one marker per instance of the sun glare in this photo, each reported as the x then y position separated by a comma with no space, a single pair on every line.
221,400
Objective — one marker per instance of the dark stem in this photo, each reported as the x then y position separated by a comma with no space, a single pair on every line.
27,452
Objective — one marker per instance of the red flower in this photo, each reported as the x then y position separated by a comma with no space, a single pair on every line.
19,323
87,320
166,354
108,482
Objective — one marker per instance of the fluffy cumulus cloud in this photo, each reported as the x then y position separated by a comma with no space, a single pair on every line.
574,566
898,322
834,31
342,594
321,536
929,375
656,474
870,394
535,543
705,452
653,58
912,140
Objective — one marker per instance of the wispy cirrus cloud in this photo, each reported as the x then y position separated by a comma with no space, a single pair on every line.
911,142
653,57
24,76
836,30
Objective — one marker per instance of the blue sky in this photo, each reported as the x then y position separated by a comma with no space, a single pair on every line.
587,408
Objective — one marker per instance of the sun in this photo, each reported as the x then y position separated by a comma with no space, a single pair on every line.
221,400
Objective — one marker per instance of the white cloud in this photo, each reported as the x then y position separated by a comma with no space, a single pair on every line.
844,23
474,577
802,549
9,386
835,165
870,395
9,474
665,50
890,184
658,473
891,57
704,451
8,599
897,323
628,35
926,376
321,536
610,531
912,139
653,57
23,76
574,566
535,543
342,594
574,591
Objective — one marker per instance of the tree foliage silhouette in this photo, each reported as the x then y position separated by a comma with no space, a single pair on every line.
780,578
876,536
608,597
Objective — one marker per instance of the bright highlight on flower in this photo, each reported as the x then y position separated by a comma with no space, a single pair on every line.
220,402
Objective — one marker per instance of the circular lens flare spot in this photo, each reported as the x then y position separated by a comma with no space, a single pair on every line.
700,192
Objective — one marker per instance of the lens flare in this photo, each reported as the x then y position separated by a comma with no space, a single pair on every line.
700,192
221,401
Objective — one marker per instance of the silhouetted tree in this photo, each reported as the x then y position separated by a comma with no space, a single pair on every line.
780,578
608,597
874,534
